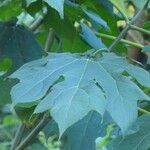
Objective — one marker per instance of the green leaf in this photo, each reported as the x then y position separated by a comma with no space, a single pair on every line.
64,28
10,120
125,103
5,65
82,135
137,141
5,87
121,5
8,128
75,102
146,48
88,85
27,117
100,8
18,42
51,129
83,129
107,4
9,9
57,5
19,46
32,6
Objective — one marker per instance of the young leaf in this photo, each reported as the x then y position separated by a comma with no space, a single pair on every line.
97,19
89,36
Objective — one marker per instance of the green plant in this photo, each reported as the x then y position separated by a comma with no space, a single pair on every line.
71,86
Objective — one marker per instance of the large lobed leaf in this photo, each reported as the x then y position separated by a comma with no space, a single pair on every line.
89,84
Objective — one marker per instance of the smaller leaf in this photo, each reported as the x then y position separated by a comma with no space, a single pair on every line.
146,48
97,19
57,5
89,36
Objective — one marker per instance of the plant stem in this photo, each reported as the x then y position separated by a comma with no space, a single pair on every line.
127,27
34,26
50,40
143,111
18,136
33,133
140,29
122,40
